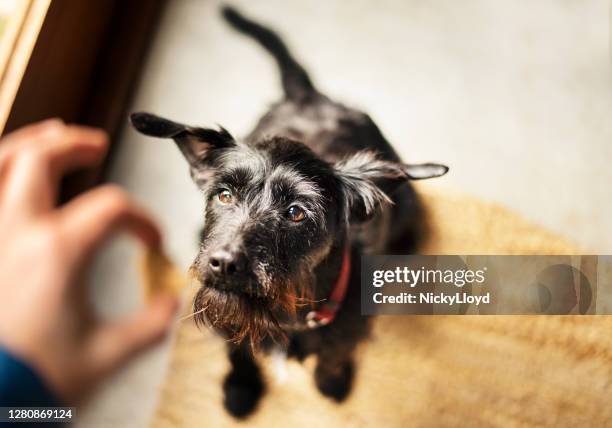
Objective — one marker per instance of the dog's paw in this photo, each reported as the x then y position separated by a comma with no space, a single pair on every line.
335,382
241,394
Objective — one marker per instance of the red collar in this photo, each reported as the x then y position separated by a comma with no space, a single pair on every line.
327,312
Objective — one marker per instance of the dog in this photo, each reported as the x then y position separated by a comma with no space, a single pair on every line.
290,209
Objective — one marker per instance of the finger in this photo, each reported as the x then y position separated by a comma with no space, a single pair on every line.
32,169
115,344
76,147
67,145
90,219
30,132
24,192
20,137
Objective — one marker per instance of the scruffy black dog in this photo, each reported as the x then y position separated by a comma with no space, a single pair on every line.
289,211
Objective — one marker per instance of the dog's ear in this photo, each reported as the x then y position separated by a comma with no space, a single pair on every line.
368,181
198,145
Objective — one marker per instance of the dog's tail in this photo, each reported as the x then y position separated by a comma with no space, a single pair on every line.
296,83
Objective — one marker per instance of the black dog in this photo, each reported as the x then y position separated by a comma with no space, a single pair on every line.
289,211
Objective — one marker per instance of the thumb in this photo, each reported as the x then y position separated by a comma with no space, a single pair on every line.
113,345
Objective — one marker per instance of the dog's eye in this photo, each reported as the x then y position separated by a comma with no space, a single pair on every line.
296,214
225,197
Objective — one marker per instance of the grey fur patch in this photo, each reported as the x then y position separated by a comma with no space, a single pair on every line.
358,173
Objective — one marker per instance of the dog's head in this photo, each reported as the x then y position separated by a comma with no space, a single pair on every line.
274,210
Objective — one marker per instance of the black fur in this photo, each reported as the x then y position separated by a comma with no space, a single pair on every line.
281,206
243,385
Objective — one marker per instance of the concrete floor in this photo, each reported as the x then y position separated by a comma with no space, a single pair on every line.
514,96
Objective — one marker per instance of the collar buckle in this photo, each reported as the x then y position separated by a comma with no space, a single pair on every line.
315,320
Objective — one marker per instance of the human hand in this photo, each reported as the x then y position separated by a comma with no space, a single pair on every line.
44,252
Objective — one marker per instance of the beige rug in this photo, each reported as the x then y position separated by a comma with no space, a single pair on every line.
429,371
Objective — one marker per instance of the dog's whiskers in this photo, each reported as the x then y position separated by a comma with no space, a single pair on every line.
192,314
306,300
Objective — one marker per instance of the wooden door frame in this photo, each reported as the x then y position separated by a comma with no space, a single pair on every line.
83,66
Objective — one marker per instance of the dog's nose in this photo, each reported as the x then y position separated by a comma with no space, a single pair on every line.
225,262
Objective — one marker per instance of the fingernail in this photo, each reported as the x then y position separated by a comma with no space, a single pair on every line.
53,126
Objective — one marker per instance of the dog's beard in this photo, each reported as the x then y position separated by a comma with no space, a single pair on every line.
239,316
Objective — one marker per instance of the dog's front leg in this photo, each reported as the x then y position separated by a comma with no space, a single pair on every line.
334,371
243,385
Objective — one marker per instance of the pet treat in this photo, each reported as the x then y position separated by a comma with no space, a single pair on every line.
160,274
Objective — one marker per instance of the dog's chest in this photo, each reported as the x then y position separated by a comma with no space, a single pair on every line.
278,364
